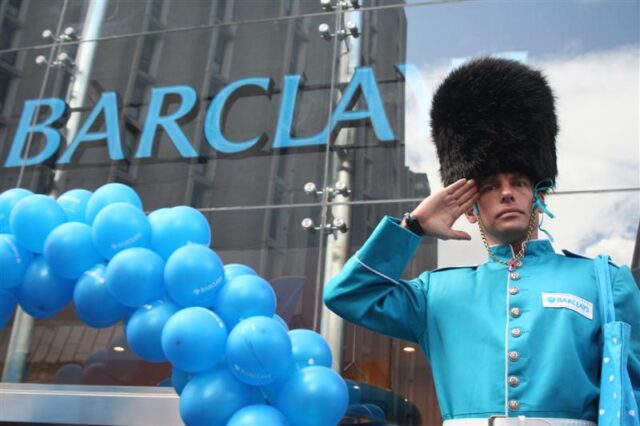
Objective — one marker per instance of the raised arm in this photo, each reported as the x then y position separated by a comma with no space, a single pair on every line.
369,292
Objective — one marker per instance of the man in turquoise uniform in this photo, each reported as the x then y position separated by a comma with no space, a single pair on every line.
516,340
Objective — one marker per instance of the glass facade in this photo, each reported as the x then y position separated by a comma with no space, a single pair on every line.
235,106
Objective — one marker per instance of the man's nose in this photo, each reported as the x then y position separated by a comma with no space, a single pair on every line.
507,192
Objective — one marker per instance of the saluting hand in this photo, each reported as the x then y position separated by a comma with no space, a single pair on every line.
437,213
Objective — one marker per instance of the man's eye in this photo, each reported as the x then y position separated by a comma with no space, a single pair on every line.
487,188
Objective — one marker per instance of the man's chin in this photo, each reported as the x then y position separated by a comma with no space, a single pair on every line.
512,235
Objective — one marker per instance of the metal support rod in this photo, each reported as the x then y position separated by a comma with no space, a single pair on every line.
337,250
77,94
18,349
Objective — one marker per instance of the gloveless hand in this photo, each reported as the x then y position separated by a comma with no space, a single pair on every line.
438,212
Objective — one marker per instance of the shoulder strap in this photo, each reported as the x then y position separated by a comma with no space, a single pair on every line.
603,278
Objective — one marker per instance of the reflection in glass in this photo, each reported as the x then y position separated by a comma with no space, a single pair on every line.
380,361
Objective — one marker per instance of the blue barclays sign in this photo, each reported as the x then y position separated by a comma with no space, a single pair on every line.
362,84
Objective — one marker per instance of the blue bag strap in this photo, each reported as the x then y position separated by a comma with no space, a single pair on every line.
603,277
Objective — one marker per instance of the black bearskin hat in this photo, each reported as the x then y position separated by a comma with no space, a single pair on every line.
494,116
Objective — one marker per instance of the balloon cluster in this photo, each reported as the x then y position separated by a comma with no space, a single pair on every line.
234,360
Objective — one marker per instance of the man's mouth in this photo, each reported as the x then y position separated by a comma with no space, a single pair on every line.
508,211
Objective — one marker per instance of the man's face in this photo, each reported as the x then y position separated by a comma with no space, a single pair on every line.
505,201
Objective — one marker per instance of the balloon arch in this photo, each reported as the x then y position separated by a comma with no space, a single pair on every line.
234,360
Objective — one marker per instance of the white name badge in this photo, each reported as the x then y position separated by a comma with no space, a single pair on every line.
568,301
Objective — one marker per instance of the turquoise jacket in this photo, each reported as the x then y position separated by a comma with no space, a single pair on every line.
499,343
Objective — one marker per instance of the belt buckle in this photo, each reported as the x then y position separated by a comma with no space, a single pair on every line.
492,419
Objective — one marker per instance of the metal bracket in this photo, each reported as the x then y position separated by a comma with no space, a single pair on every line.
340,188
351,30
338,225
327,6
63,60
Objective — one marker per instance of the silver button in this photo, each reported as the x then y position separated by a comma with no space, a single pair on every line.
514,275
514,290
514,405
514,355
514,381
516,332
515,312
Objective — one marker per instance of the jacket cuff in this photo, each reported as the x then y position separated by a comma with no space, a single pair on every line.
389,248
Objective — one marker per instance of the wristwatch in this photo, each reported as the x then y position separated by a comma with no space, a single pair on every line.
412,224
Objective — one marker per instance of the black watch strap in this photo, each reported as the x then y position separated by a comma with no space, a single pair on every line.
412,224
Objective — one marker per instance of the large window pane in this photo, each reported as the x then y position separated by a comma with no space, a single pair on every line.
182,152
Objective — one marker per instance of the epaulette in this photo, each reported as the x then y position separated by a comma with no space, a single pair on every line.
579,256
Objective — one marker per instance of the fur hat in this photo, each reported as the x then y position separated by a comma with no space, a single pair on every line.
494,116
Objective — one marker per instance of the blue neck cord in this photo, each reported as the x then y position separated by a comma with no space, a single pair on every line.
543,186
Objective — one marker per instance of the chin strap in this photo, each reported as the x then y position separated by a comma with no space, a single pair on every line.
543,186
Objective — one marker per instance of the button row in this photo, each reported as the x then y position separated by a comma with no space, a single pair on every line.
515,312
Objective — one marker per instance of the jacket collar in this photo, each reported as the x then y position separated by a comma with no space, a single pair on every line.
534,248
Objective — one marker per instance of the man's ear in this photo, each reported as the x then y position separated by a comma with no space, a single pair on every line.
471,214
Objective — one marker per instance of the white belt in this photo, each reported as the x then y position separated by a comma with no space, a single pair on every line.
518,421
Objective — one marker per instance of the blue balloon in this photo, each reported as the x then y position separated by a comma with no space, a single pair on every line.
258,351
194,339
281,321
109,194
211,398
253,415
118,227
94,304
243,297
272,390
144,329
14,261
313,396
178,227
7,306
233,270
8,199
33,218
135,277
43,294
193,275
156,215
179,379
258,396
128,313
69,250
74,204
309,348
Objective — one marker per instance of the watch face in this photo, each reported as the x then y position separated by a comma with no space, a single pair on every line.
413,224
